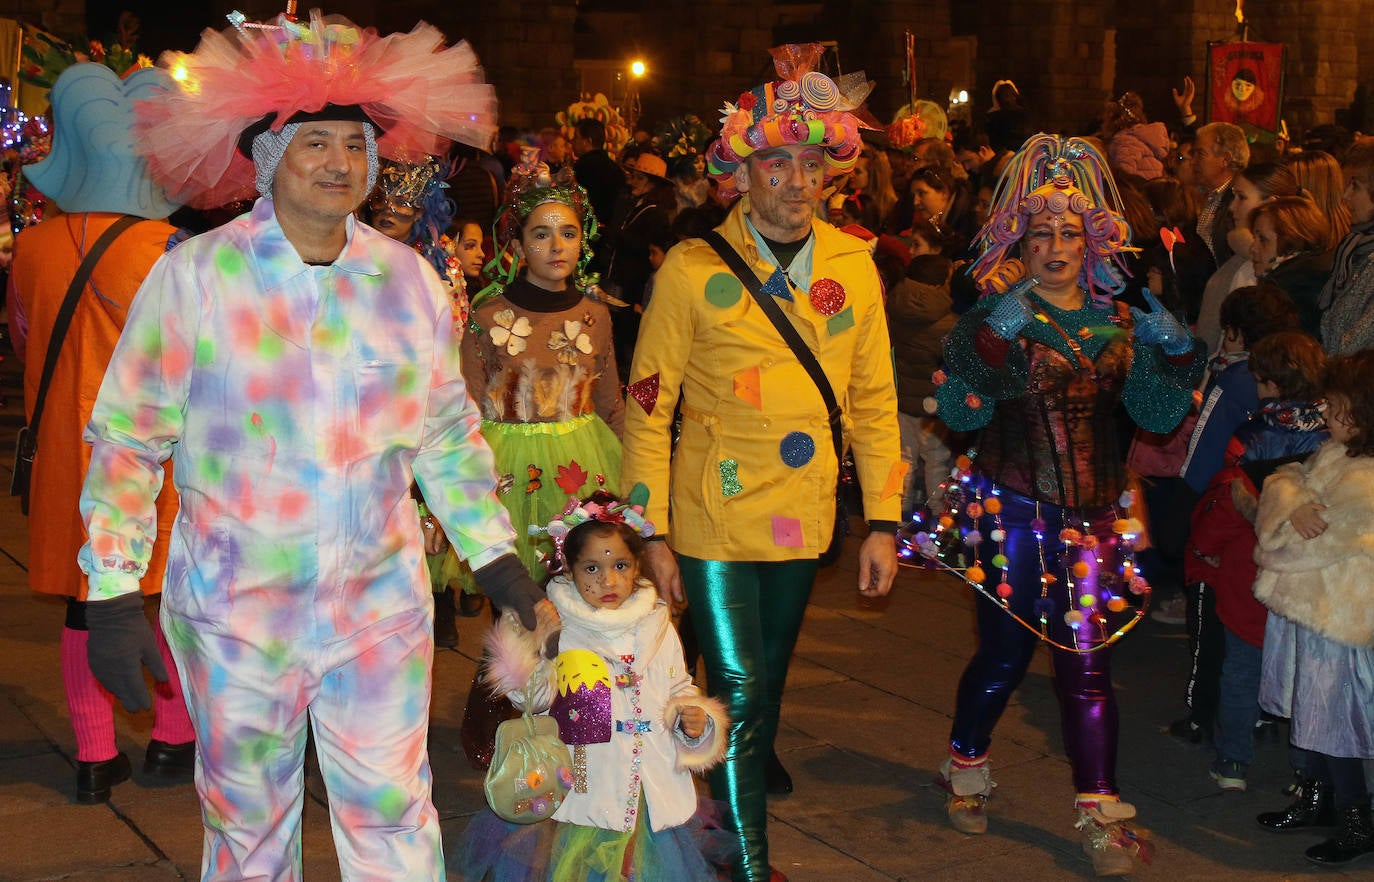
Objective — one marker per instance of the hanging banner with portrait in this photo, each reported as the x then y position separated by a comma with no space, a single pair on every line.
1245,86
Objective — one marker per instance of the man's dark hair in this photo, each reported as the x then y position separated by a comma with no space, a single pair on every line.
594,130
1256,311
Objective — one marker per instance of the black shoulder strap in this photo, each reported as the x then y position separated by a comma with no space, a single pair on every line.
804,355
64,316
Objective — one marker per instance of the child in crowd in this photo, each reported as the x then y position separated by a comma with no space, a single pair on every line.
1315,564
538,360
625,705
919,316
1229,397
1289,424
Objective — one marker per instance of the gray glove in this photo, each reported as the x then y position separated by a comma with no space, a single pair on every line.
120,643
508,584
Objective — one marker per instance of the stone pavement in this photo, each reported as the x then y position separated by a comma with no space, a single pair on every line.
864,726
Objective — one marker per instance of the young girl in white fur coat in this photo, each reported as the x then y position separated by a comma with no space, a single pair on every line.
1316,559
626,706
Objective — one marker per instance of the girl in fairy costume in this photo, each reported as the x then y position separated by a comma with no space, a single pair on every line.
538,361
625,705
538,357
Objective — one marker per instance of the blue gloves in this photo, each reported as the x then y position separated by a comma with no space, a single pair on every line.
1159,327
1012,313
120,642
508,584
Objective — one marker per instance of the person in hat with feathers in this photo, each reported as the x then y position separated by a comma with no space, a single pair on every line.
303,368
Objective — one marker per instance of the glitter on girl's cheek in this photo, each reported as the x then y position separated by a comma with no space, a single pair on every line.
772,182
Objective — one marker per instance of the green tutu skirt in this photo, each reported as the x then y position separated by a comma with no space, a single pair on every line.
538,467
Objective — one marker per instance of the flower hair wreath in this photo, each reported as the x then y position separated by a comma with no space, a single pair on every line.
576,513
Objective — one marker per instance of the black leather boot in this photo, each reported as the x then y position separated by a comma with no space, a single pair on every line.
1311,807
445,627
94,780
777,781
1354,839
170,760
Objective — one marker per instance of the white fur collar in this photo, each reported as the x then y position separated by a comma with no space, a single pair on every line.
577,613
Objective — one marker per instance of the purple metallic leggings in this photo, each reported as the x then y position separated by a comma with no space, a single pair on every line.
1083,682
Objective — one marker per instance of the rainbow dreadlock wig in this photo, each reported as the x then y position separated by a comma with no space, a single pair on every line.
1063,175
531,185
804,106
414,96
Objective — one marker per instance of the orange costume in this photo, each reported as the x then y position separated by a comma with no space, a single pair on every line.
46,257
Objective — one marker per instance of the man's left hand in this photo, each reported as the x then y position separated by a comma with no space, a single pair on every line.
877,564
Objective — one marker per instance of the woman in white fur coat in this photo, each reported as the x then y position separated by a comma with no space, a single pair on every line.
626,706
1316,557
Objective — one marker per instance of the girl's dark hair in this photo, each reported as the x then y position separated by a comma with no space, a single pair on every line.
1271,178
1351,378
925,231
1174,204
1291,360
579,536
1136,209
1257,311
936,178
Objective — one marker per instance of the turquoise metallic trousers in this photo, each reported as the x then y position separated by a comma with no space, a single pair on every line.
747,616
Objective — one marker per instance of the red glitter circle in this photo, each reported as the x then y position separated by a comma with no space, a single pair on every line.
827,296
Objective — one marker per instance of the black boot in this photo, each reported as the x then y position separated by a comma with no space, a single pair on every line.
776,779
94,780
1354,839
445,628
1311,807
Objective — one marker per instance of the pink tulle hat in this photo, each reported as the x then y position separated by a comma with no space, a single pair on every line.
419,94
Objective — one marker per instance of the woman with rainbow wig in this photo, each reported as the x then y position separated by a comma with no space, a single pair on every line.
1041,505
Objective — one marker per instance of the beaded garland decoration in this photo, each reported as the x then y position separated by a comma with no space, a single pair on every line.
953,541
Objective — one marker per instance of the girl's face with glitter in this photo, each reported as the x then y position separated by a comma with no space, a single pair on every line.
1053,248
550,245
605,570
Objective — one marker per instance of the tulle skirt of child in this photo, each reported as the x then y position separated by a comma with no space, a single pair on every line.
493,850
1326,689
538,466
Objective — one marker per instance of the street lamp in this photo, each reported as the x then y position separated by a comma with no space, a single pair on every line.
637,71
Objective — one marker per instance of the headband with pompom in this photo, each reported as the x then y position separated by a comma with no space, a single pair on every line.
603,508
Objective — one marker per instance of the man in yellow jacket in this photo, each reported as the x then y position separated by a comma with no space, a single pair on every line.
748,493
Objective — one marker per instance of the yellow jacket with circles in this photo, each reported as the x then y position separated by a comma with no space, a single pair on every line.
753,476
